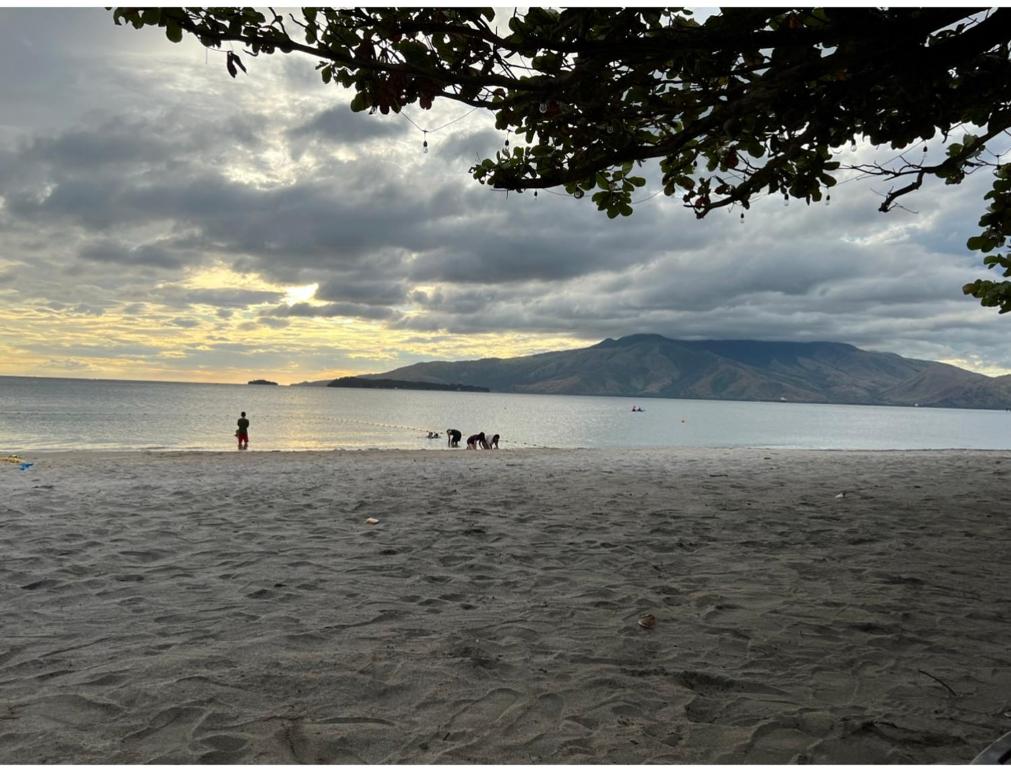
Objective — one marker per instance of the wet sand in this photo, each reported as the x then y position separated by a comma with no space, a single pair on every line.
229,607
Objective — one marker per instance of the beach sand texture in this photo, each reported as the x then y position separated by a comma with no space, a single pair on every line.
229,607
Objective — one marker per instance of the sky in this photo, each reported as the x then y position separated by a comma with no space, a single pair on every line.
160,220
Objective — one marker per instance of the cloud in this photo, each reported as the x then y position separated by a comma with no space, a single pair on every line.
127,165
75,351
78,309
369,290
229,298
335,309
340,124
470,146
273,322
108,146
150,255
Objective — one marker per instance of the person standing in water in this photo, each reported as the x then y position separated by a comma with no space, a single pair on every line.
242,433
453,436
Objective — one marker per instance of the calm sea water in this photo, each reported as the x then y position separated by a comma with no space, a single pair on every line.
54,414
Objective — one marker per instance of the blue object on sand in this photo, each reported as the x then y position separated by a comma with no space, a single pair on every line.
25,465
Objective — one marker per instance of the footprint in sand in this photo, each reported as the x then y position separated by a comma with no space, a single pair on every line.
224,748
482,713
537,717
173,725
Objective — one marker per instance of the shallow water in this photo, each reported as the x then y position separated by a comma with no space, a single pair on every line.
56,414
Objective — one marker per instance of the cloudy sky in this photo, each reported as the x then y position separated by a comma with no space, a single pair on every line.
159,220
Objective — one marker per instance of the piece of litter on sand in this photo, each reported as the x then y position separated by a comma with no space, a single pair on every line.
998,753
648,621
25,465
841,495
371,520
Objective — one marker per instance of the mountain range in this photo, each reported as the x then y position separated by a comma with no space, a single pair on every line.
649,365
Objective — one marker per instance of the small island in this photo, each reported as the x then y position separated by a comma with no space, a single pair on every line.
263,381
360,383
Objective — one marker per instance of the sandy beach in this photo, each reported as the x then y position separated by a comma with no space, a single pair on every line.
236,607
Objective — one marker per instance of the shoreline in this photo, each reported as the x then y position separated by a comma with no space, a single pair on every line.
188,607
674,449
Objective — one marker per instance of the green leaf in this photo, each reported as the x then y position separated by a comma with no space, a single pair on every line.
174,32
413,52
360,102
977,243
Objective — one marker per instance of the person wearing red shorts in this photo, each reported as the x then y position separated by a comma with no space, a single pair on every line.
242,433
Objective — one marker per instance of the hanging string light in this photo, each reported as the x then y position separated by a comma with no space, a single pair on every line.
426,131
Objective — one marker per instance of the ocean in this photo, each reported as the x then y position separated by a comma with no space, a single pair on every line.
38,414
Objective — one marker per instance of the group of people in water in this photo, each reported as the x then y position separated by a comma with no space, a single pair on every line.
480,440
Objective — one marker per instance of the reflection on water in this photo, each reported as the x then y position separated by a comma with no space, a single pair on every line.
66,413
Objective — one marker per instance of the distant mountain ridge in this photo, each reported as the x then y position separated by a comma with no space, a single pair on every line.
649,365
359,382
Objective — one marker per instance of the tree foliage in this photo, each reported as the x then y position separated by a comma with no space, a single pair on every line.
747,102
